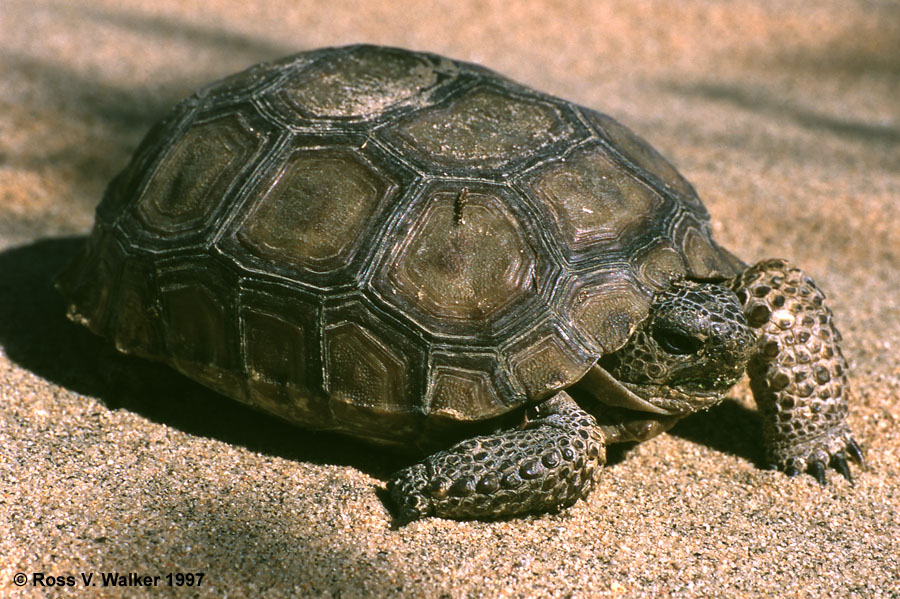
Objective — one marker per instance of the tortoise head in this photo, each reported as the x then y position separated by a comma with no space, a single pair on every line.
691,349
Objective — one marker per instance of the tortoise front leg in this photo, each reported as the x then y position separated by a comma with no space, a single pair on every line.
549,464
798,376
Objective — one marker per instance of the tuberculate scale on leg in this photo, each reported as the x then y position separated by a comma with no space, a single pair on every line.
549,464
798,375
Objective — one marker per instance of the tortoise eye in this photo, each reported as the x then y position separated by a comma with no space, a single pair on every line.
675,341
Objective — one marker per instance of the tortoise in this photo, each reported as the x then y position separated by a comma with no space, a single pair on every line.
422,253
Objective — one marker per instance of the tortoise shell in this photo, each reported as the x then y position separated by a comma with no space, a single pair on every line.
385,243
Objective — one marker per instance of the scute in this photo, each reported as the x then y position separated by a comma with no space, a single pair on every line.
369,382
279,341
314,211
464,259
279,335
361,370
545,360
385,243
131,329
365,81
188,184
660,264
703,257
647,160
608,310
195,319
461,394
594,202
275,347
485,127
197,314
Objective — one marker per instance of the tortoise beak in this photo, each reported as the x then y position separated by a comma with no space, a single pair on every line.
602,386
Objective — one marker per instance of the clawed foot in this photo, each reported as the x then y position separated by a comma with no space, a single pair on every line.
799,375
410,494
549,464
816,456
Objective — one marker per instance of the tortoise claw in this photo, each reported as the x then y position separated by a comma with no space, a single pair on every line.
839,462
816,458
856,453
817,469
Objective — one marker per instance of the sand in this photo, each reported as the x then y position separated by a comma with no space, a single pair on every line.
785,118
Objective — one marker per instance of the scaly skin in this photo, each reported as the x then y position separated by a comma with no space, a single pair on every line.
798,376
549,464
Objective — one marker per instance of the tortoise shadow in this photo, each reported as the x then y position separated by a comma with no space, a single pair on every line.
36,335
729,427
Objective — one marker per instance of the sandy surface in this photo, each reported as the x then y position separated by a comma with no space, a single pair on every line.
788,122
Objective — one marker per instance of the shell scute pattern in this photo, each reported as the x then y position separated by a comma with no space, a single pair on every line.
314,212
357,84
593,201
644,159
181,195
427,240
484,130
458,267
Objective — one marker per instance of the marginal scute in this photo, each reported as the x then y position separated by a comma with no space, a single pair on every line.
136,329
275,347
593,200
484,127
197,325
365,81
703,259
660,265
360,370
608,312
312,215
544,363
463,262
641,154
277,365
91,279
189,183
463,394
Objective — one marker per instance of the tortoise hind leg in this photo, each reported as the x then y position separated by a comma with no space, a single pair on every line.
799,376
549,464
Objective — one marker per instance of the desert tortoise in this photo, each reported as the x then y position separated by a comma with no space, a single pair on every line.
419,252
